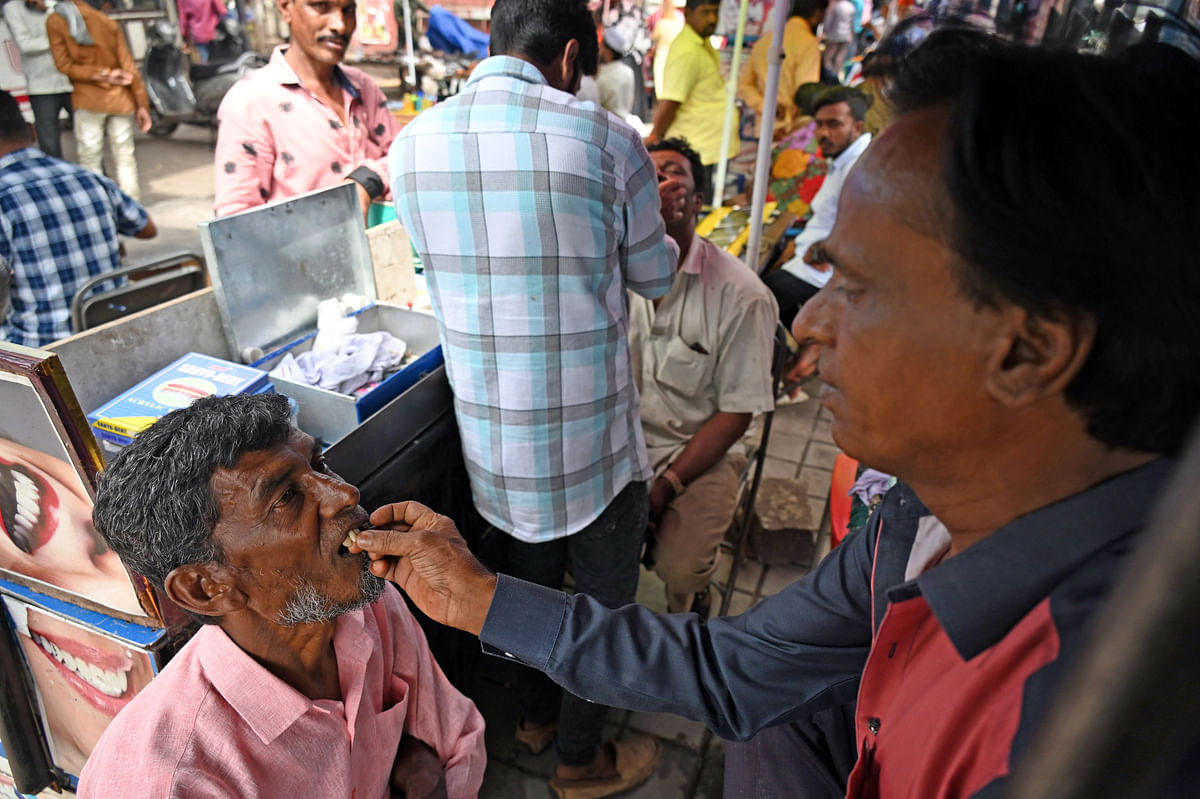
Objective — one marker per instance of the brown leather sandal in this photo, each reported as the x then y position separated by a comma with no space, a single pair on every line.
634,760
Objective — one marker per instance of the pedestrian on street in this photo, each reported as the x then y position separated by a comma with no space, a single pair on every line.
109,96
49,90
198,20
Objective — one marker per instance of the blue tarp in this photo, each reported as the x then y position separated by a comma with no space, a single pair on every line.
450,34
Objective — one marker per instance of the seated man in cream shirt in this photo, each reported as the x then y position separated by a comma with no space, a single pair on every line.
702,361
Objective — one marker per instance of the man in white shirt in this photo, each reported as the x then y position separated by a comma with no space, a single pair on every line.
839,114
49,89
615,79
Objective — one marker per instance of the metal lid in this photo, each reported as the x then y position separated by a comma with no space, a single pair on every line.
271,265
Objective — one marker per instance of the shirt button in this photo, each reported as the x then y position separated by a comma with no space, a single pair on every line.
873,725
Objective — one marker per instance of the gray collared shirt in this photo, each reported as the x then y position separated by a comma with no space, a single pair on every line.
28,27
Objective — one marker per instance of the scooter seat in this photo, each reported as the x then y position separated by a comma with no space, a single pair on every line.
201,72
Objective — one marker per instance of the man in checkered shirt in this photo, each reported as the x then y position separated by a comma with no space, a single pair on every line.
533,213
58,229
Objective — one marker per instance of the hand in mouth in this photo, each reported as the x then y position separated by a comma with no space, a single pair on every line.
351,537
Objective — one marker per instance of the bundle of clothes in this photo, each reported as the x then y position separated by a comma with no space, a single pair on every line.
341,358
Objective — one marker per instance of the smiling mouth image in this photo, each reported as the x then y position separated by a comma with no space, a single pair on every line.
28,507
102,679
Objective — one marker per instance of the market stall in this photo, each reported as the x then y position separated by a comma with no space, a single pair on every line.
83,635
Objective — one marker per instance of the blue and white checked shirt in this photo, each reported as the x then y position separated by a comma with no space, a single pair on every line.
58,229
533,213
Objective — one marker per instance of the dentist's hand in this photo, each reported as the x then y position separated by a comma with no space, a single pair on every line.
423,553
672,200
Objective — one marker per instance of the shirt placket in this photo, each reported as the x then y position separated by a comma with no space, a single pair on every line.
351,132
882,679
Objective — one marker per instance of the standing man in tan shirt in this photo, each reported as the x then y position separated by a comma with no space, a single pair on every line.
90,49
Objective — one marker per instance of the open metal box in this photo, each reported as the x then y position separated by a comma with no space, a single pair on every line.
270,268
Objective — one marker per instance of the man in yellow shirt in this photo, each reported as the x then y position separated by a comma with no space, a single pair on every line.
692,103
801,63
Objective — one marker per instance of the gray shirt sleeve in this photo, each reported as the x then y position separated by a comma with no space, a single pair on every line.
793,654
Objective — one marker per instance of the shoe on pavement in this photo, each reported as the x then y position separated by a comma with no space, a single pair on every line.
634,759
536,737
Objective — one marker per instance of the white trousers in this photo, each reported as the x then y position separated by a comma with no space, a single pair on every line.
90,127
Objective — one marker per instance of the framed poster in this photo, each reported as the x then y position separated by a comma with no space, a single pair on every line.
48,465
82,674
25,766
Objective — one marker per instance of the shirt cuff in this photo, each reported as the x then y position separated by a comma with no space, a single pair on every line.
369,180
524,621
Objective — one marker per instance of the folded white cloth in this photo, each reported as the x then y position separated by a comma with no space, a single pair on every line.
359,359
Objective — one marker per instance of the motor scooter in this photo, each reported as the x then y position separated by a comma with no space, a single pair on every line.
185,93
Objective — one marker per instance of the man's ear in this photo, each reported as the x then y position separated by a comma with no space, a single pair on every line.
698,201
206,589
569,76
1039,356
285,9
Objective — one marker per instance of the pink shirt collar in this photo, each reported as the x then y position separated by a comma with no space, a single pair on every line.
240,680
283,72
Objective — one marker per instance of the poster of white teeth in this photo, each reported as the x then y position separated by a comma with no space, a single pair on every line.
82,678
46,532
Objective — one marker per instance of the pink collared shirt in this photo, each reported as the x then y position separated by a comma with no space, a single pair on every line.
198,19
276,140
215,724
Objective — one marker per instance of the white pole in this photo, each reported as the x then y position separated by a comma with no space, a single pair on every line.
412,61
730,97
766,131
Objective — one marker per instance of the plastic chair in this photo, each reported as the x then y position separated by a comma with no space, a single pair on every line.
754,470
166,279
845,470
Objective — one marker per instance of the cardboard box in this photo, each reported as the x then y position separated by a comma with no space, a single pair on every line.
176,386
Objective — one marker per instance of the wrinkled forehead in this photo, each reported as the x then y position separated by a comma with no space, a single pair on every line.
254,469
901,173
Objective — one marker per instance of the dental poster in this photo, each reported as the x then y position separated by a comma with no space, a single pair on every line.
47,540
81,676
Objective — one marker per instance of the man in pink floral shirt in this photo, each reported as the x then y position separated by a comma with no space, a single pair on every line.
305,121
198,20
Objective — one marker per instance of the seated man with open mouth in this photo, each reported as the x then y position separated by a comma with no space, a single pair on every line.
310,677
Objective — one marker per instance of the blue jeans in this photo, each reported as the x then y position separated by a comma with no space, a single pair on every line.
808,759
604,558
